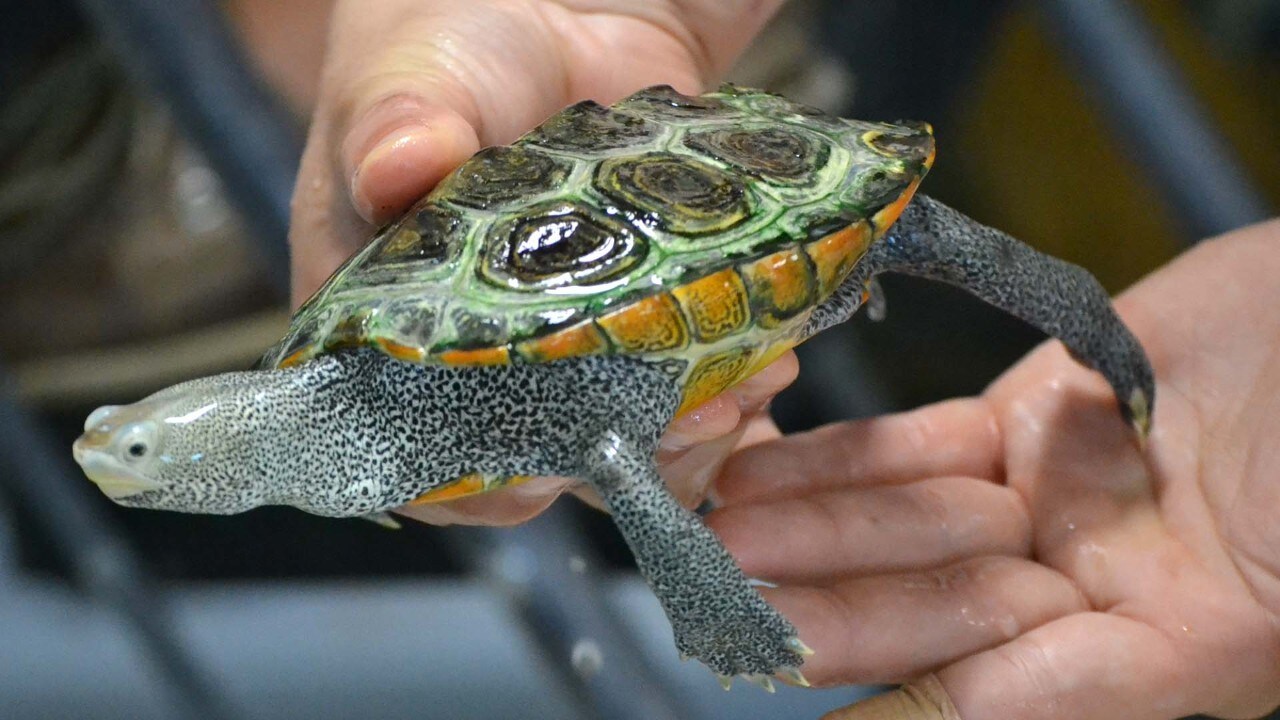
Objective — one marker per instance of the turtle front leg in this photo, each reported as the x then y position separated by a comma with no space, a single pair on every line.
717,616
934,241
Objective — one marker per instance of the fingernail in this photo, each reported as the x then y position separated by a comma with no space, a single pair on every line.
705,422
392,144
749,405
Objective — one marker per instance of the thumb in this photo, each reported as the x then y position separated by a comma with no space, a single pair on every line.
923,699
410,89
416,87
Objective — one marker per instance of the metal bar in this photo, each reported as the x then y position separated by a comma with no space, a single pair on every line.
184,51
41,476
1121,64
548,573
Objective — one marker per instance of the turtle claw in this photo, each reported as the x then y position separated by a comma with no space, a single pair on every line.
797,646
1139,414
763,681
792,676
877,306
726,681
383,519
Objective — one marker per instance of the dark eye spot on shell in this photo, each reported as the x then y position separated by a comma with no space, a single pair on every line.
773,153
558,245
500,175
679,193
590,126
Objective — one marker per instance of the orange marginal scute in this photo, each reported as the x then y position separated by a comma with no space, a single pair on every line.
575,341
500,355
717,305
651,324
835,255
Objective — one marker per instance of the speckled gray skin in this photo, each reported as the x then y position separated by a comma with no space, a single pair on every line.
357,432
934,241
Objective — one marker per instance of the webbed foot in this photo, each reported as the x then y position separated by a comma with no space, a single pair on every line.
717,616
743,635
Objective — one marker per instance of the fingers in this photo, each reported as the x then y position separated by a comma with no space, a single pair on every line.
888,628
875,529
1090,665
400,149
723,413
1084,666
958,438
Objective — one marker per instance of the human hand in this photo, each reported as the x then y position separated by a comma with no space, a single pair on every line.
412,88
1018,554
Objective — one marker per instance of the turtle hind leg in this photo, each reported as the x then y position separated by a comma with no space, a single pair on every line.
716,615
934,241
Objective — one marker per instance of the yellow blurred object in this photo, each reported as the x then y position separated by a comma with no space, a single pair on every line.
1033,157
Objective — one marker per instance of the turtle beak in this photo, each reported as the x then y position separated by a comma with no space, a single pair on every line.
114,479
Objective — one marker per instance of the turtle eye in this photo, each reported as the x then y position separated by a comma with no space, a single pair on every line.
138,442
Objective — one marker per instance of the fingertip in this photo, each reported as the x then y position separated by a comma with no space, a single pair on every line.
712,419
756,391
399,150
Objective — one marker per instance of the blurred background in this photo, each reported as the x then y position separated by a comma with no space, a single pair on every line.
147,151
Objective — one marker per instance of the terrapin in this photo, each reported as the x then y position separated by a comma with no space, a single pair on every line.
554,303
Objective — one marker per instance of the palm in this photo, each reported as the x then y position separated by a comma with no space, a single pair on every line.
1023,543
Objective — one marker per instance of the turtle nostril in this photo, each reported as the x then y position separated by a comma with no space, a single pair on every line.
99,416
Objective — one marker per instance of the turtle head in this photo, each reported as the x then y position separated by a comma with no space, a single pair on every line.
192,447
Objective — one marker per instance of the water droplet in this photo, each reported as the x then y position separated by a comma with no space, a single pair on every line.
587,659
513,565
201,206
1008,625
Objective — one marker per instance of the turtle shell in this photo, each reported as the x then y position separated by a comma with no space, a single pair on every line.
694,232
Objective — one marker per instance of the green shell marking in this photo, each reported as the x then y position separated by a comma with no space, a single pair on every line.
689,226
